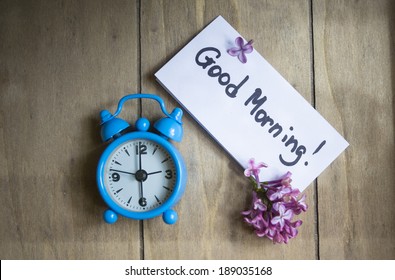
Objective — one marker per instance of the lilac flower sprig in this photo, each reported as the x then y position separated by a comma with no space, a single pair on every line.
241,50
274,205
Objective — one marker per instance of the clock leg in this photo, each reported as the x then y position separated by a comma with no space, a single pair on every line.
170,216
110,216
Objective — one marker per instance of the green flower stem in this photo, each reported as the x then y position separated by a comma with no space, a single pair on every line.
261,192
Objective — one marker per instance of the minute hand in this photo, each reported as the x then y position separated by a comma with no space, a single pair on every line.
122,171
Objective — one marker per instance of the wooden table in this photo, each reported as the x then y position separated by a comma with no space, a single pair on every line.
61,62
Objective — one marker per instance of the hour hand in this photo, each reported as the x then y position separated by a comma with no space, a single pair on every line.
142,175
155,172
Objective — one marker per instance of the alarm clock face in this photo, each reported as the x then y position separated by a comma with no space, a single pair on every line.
139,175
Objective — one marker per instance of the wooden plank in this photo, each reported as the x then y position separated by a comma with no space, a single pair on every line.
61,63
354,76
210,225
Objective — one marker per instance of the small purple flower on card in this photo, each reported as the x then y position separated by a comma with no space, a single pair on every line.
241,50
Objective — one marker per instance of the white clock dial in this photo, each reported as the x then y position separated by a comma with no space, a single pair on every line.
140,175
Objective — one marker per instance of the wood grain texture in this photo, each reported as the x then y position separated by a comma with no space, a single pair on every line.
61,63
210,225
354,78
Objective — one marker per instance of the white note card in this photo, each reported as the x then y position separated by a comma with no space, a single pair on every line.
249,108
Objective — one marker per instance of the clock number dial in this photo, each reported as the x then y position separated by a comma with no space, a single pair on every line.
169,174
115,177
142,180
143,202
141,149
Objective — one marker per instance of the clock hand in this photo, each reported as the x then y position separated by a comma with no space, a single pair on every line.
122,171
141,190
156,172
139,156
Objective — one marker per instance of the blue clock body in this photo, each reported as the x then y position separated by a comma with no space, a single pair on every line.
141,175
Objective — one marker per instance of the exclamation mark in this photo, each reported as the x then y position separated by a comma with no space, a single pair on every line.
319,147
317,150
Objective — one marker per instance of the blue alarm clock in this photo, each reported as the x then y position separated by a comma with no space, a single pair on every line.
141,175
